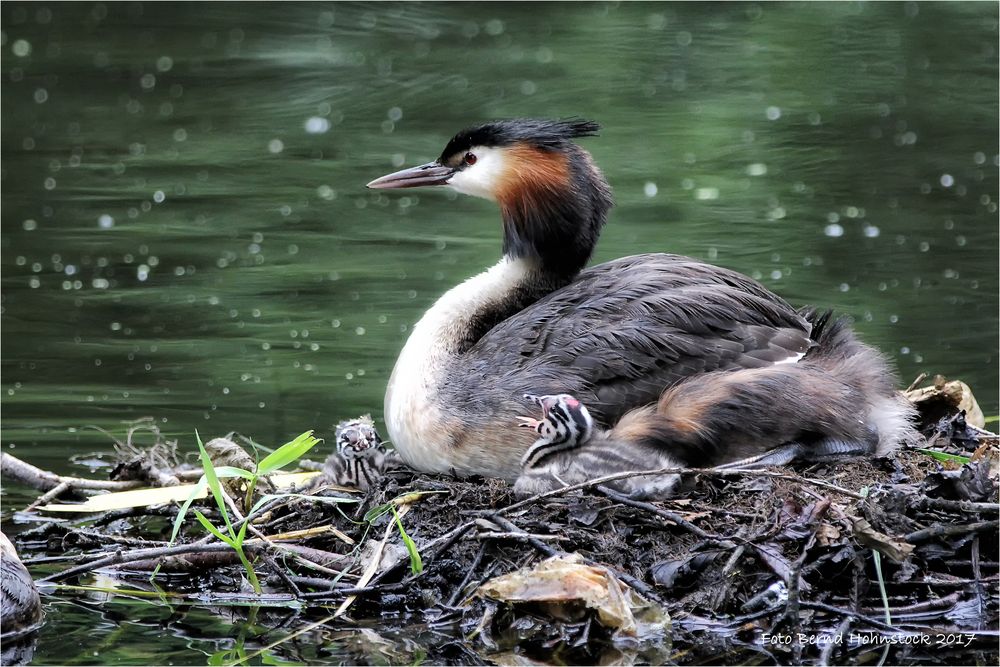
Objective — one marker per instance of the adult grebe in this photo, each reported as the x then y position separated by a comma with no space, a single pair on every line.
615,335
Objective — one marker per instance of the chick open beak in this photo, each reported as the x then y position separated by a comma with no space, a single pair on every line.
528,422
432,173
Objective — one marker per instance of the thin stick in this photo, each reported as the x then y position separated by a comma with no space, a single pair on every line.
17,470
662,513
879,625
52,493
468,576
824,656
956,505
731,472
280,571
122,557
520,536
941,530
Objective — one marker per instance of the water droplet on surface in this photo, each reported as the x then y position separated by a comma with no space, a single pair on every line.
275,146
650,189
773,113
316,125
756,169
21,48
494,27
833,230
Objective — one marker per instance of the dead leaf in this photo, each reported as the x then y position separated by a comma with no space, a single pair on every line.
561,582
894,549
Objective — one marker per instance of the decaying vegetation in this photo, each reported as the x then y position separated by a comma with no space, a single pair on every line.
893,559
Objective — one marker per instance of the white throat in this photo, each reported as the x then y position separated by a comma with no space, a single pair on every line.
415,422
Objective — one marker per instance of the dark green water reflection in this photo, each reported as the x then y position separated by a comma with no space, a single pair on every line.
186,233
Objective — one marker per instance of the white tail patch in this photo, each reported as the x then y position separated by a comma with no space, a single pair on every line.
794,359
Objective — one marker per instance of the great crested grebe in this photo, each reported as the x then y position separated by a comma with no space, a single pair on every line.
743,418
615,335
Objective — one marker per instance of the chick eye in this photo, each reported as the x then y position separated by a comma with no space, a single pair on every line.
469,159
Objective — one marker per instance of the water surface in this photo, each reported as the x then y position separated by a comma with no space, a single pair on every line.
186,232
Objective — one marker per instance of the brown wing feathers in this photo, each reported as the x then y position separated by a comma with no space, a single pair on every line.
724,416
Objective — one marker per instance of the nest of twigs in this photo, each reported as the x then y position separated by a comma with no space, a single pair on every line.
893,559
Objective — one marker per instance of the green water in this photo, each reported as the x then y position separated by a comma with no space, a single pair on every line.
186,232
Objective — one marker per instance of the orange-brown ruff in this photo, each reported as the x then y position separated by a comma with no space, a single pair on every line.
616,335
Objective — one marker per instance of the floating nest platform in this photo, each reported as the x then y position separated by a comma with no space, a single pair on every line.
893,560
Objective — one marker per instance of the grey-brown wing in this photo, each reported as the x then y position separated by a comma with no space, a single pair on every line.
625,330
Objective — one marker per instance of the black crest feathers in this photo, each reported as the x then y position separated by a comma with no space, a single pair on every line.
541,133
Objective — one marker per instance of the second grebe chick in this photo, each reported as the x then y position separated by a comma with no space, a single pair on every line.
361,459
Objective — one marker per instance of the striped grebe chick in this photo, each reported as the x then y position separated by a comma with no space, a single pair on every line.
570,450
361,458
615,335
745,418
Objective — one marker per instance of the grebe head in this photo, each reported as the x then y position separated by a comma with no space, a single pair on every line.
357,438
565,424
553,199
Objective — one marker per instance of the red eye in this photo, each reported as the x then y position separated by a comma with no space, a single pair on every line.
470,158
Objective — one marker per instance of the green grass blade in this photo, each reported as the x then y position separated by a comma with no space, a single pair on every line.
232,471
416,564
213,483
251,575
946,458
203,520
287,453
881,586
378,511
992,419
242,534
182,512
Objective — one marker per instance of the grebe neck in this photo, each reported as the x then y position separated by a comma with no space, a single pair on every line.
555,221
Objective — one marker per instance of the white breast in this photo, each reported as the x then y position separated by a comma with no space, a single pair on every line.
416,421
